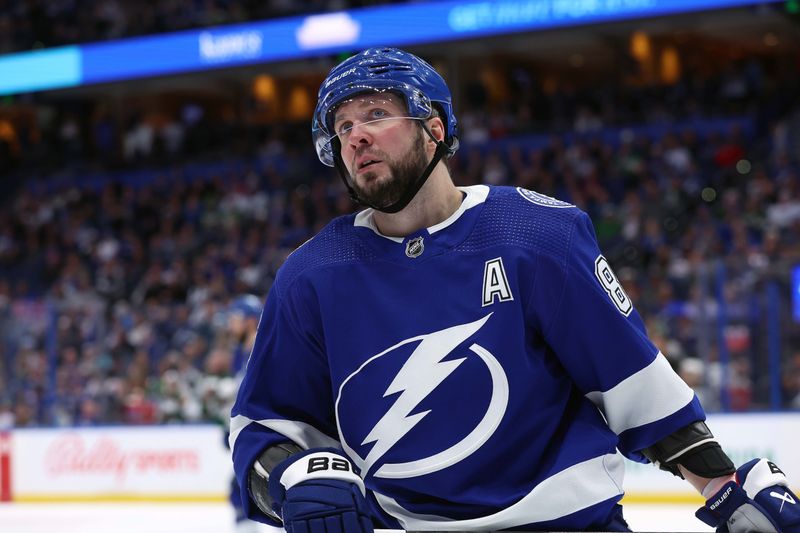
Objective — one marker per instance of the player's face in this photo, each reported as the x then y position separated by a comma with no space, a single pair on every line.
236,324
382,148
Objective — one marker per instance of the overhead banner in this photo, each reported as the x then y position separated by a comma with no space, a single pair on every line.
314,35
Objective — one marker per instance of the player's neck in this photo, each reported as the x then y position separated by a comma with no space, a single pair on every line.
434,203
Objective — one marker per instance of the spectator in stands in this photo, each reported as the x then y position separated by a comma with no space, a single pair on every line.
139,274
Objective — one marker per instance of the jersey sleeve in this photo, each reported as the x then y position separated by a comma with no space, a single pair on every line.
590,324
285,395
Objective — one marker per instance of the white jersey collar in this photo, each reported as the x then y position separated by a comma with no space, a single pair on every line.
475,195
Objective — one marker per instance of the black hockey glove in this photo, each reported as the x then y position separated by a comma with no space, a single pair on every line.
317,491
759,500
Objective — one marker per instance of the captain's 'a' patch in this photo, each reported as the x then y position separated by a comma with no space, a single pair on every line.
495,283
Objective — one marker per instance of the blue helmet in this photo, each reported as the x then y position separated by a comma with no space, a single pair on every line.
248,305
379,70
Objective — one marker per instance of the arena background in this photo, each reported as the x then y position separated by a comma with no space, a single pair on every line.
156,166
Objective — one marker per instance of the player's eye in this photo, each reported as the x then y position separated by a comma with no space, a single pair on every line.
344,127
378,113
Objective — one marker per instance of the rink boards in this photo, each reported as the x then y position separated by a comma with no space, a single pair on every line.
191,463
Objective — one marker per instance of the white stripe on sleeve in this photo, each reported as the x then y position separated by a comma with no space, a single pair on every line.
650,394
302,434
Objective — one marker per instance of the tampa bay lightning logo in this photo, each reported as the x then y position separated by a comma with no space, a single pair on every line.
542,199
423,372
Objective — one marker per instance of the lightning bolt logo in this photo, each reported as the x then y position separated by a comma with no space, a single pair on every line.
420,375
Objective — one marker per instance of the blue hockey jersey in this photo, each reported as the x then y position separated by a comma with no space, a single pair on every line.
484,373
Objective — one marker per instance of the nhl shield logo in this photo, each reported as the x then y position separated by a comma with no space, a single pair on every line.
415,247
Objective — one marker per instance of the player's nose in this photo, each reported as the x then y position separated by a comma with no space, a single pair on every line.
359,135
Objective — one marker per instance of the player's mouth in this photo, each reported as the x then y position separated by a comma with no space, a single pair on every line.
366,163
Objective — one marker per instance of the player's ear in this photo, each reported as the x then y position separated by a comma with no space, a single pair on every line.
437,128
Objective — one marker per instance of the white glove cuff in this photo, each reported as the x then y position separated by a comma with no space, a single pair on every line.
321,465
764,474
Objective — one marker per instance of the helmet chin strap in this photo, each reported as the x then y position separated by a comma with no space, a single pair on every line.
410,192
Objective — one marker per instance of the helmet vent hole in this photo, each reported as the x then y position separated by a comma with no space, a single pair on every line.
380,68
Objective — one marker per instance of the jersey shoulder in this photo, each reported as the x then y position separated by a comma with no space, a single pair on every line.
335,244
522,218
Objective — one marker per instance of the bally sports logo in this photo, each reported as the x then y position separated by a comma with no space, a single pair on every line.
72,455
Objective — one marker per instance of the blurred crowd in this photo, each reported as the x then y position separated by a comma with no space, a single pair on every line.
35,24
116,295
83,135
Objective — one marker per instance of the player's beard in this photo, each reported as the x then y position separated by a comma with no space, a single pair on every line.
403,173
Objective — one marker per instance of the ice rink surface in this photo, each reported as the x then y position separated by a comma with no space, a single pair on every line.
218,518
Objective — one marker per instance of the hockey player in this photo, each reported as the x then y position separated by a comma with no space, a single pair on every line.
459,359
243,316
241,326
